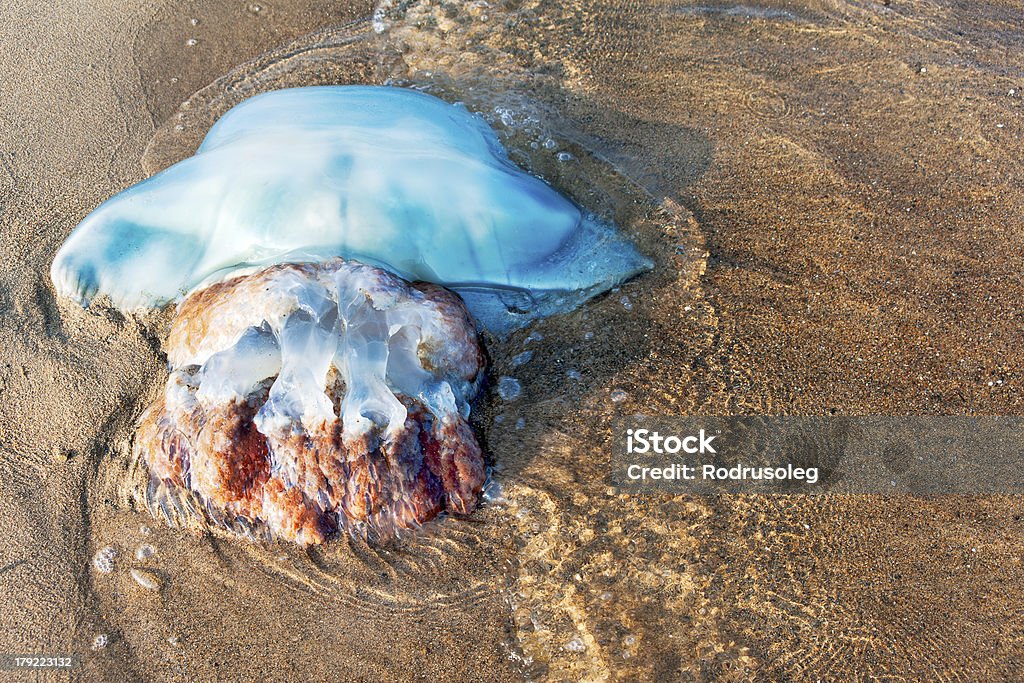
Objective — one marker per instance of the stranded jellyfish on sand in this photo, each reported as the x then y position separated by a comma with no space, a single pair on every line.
312,386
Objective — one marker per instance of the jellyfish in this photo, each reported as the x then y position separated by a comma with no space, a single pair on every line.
333,253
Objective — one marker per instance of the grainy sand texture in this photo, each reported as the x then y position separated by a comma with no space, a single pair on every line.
831,191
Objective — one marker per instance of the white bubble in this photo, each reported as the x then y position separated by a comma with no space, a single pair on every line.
100,641
575,645
493,492
509,388
103,560
522,358
618,395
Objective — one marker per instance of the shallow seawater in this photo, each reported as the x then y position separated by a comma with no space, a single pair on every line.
749,171
495,567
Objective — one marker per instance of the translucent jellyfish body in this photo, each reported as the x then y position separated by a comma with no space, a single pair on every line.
386,176
305,398
312,387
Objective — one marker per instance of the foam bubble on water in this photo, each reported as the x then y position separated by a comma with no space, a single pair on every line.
494,493
522,358
520,424
509,388
565,156
618,395
100,641
574,375
144,552
575,644
506,116
103,560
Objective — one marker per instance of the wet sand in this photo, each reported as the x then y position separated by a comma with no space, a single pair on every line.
830,192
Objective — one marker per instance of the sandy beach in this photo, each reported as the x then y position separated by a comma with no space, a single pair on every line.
831,195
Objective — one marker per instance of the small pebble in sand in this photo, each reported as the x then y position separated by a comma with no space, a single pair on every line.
192,42
575,645
509,388
618,395
103,560
100,641
173,641
146,579
144,552
194,22
522,358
